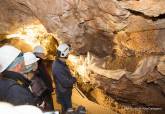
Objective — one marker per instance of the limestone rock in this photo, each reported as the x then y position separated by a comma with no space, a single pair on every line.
161,65
141,36
148,7
125,90
84,23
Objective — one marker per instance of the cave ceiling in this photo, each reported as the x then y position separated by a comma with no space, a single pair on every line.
123,27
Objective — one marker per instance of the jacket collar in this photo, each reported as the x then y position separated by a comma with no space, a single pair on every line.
61,62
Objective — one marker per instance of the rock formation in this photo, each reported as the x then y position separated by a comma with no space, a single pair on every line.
126,36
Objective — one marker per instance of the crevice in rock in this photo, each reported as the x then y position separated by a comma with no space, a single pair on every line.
162,16
29,11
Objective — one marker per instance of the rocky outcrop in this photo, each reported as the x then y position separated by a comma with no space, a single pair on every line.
141,86
150,8
108,29
14,16
86,23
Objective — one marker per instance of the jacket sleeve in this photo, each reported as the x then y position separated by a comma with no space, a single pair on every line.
61,76
18,95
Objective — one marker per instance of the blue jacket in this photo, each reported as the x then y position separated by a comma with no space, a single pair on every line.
63,78
13,92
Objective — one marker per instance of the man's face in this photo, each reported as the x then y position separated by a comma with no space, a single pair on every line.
35,66
19,67
22,66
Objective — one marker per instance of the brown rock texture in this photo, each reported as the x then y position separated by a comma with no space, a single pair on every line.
151,8
109,29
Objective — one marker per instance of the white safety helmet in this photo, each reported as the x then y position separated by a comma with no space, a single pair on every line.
27,109
30,58
64,50
38,49
7,56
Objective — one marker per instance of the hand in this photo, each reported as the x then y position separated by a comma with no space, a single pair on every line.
74,79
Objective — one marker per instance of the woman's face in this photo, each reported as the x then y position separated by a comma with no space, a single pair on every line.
30,75
35,66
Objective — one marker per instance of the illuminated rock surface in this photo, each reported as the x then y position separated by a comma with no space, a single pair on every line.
124,35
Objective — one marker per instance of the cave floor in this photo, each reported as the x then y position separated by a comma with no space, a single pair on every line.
91,107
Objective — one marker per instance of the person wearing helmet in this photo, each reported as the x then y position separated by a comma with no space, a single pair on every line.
13,85
30,65
39,51
37,85
44,75
63,78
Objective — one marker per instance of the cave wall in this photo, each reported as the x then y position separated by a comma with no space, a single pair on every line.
12,18
128,27
105,28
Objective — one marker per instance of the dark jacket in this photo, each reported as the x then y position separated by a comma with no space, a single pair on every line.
63,78
14,89
43,74
42,85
